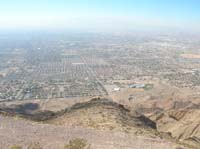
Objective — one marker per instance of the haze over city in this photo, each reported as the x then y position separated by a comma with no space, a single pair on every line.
100,15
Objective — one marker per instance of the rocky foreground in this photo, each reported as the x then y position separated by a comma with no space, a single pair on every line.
98,123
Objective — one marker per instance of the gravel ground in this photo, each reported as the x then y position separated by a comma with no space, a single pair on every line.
15,131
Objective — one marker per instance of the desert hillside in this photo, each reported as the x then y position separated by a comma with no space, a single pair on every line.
98,123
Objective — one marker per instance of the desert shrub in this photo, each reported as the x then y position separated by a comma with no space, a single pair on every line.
34,145
16,147
77,143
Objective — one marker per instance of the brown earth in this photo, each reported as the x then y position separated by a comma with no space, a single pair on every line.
100,123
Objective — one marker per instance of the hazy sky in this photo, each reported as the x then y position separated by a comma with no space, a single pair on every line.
99,14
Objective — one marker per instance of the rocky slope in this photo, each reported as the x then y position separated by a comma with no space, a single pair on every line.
179,118
98,123
103,114
183,124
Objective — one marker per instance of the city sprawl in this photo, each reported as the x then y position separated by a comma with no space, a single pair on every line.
87,65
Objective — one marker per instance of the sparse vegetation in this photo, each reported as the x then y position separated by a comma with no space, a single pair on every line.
16,147
148,87
77,143
35,145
